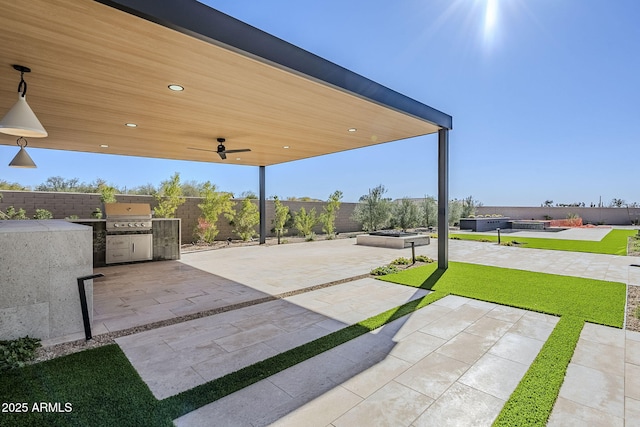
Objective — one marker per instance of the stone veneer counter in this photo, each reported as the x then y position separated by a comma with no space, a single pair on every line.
40,261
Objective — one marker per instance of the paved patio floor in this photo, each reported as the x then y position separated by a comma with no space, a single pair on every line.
402,374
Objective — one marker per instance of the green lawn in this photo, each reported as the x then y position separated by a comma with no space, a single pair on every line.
592,300
614,243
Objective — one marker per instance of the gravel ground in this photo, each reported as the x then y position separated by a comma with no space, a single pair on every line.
633,310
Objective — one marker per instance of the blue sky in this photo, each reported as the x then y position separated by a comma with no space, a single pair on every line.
545,97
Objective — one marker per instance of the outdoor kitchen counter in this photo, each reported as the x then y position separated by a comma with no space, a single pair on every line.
40,261
166,238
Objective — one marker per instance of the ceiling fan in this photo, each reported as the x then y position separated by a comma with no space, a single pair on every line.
222,150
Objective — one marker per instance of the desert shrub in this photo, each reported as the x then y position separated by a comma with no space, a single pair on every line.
107,193
384,270
282,216
455,238
11,213
72,217
304,222
330,211
43,214
245,220
15,353
401,261
214,203
169,197
424,258
405,214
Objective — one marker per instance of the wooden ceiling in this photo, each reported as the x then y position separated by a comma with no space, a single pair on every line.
95,68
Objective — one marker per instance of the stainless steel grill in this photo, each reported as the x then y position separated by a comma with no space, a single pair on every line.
129,232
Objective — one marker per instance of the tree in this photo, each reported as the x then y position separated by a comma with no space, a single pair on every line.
58,183
429,211
330,211
373,210
213,204
146,189
455,211
246,219
191,188
548,203
6,185
282,215
469,207
248,195
304,222
405,214
169,197
617,203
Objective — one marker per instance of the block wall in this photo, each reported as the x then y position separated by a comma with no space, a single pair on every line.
609,216
63,205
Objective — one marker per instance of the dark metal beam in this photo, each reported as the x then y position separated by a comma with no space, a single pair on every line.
263,207
443,199
212,26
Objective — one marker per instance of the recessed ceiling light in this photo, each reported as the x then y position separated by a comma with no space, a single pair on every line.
237,158
286,146
353,130
104,146
131,125
176,88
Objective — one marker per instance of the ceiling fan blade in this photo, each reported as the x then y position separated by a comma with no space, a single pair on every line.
241,150
222,155
201,149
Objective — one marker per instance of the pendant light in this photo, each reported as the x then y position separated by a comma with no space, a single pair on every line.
20,120
22,159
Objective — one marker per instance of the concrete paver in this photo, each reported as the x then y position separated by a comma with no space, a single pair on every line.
387,390
481,349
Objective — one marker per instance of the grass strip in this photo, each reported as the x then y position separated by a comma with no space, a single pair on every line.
201,395
595,301
532,401
100,385
614,243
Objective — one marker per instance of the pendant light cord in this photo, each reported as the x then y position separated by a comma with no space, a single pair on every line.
22,82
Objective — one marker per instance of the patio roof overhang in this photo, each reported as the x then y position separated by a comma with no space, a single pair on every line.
97,65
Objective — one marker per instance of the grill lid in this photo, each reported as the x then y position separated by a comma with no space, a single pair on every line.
127,210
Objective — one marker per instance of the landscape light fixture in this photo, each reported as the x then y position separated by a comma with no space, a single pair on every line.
22,159
20,120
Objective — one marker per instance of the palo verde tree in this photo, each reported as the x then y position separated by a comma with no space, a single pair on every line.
214,203
329,214
373,209
246,219
169,197
304,222
282,215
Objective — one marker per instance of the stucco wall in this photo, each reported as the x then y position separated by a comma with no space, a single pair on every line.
610,216
63,205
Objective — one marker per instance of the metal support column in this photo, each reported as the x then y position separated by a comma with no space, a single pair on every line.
443,199
263,207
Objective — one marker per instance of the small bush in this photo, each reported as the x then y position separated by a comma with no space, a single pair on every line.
485,240
637,312
384,270
15,353
401,261
72,217
43,214
433,236
424,258
455,238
